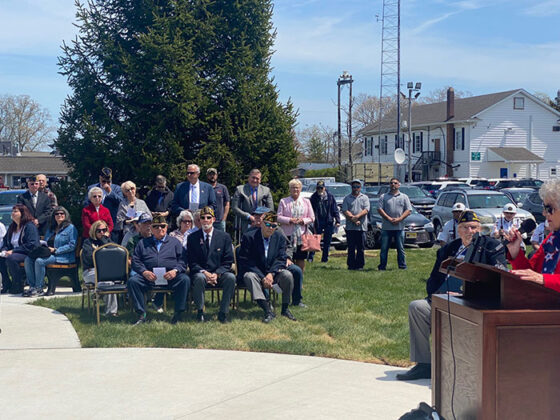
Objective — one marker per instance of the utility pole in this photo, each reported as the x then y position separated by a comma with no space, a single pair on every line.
344,79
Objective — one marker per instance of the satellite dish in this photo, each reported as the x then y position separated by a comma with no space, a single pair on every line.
400,156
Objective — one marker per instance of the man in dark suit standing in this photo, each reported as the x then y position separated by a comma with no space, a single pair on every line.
263,257
38,203
112,196
210,257
248,197
193,194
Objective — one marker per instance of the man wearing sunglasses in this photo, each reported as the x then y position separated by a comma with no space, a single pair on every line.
394,207
156,253
326,216
356,207
263,257
192,194
112,195
210,257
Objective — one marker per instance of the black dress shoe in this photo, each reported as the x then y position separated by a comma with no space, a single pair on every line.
49,293
286,312
420,371
222,317
141,319
268,317
177,317
200,316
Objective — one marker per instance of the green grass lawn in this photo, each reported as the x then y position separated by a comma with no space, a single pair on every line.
351,315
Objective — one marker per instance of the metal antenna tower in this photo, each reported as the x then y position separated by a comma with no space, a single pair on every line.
390,66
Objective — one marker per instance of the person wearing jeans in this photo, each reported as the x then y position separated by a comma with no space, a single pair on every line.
394,207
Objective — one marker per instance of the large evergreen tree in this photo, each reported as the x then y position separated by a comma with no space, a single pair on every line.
158,83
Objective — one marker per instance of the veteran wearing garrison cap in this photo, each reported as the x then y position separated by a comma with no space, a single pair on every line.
210,257
263,256
420,311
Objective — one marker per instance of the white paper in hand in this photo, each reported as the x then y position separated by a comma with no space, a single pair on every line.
160,272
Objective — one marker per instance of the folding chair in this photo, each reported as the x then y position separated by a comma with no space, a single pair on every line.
111,265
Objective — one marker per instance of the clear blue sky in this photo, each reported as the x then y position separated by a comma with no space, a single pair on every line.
481,46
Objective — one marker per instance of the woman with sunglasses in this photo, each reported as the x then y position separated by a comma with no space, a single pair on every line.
61,238
128,208
22,237
95,211
294,215
185,226
99,235
543,267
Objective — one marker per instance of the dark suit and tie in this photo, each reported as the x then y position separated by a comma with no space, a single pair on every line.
245,201
40,206
210,258
189,196
262,257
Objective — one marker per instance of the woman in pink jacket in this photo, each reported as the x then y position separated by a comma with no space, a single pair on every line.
294,215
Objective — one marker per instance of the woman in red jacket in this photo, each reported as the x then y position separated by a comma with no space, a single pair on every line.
95,211
543,267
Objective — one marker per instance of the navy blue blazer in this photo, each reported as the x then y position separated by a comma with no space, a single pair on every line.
42,212
333,215
206,197
28,240
218,260
251,253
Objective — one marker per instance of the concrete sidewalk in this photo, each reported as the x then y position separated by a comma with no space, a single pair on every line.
45,374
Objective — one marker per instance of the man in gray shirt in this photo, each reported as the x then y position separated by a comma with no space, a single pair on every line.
394,207
356,207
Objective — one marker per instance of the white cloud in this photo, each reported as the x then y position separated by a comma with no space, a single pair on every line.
543,8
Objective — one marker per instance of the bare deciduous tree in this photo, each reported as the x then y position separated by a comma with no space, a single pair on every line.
24,122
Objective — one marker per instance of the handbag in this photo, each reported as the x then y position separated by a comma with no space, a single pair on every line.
310,242
40,252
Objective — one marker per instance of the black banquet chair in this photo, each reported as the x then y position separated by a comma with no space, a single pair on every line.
111,265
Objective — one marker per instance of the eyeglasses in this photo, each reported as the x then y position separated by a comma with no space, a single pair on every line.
159,226
186,221
205,217
191,173
356,187
548,208
320,188
96,196
59,213
271,225
395,183
102,230
105,181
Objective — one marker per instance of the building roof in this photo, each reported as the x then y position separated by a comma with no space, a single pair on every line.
429,114
513,155
49,165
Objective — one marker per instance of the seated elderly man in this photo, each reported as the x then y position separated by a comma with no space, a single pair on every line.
210,257
263,258
420,311
157,260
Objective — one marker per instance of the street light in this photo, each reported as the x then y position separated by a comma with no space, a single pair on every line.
344,79
412,87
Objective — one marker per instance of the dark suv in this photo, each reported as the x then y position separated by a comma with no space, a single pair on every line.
421,200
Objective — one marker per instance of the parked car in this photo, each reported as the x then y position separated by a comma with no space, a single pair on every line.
418,229
433,187
8,198
518,195
516,183
339,190
534,205
6,216
372,190
339,237
420,199
487,205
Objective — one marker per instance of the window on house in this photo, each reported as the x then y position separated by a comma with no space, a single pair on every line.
518,103
384,145
366,146
459,139
417,142
553,172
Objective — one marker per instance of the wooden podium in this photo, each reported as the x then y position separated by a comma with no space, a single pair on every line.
505,340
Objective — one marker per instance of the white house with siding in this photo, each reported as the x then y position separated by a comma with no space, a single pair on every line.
499,135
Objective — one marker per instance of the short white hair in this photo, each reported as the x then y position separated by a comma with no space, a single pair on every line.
194,165
294,182
183,215
93,191
550,191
